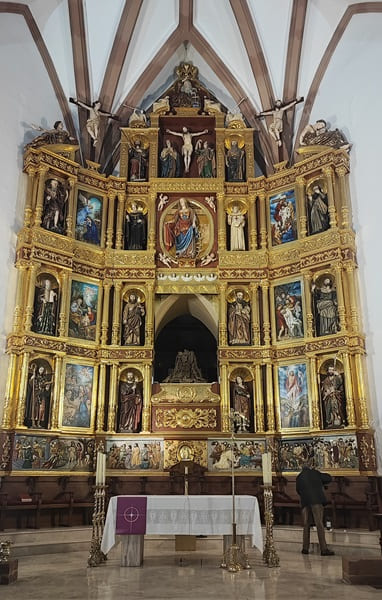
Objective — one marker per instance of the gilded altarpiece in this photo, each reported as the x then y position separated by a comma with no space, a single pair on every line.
265,265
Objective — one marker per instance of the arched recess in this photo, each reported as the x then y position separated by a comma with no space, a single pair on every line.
186,322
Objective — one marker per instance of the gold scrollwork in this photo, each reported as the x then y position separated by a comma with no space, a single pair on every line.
186,418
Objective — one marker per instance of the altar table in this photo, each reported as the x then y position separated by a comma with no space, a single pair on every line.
192,515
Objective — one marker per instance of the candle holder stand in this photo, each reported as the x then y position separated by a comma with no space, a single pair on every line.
96,556
270,556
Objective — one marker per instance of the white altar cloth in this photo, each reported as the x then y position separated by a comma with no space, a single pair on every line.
192,515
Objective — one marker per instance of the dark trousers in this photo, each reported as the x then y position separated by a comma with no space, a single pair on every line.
317,512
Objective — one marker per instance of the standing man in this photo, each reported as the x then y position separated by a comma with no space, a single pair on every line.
310,487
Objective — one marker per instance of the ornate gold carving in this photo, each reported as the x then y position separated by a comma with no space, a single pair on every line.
186,418
198,449
184,393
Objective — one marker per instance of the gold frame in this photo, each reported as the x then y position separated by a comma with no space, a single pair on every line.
280,282
277,366
89,281
270,195
88,189
85,363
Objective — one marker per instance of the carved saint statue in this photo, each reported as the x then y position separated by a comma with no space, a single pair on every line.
239,321
332,392
205,159
130,404
183,231
325,308
45,308
94,120
241,398
55,206
57,135
135,228
169,161
236,222
186,369
318,134
139,158
235,162
133,321
318,212
38,396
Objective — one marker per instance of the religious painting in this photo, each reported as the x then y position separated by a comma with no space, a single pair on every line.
130,401
138,158
39,394
283,219
89,216
42,453
244,454
186,229
133,318
332,394
55,205
130,454
77,397
235,160
288,315
237,226
83,310
325,305
324,452
317,207
135,226
293,396
241,400
45,307
239,318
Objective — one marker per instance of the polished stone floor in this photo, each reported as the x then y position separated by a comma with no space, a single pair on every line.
181,576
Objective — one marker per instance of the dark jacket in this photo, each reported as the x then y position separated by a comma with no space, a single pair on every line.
310,486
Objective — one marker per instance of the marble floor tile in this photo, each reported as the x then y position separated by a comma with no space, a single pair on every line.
167,575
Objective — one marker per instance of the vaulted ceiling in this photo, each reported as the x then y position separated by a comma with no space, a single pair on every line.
249,53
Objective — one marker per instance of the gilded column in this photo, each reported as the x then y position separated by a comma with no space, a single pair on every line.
149,325
266,322
146,412
153,152
105,311
40,195
259,407
111,418
350,411
29,200
20,412
361,391
340,297
10,392
270,399
222,242
119,224
308,303
252,223
224,392
151,215
328,172
110,219
345,211
101,398
314,406
58,365
70,222
350,276
64,307
301,205
30,296
255,314
263,220
223,314
20,302
115,332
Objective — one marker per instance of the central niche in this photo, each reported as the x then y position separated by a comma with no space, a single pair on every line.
185,333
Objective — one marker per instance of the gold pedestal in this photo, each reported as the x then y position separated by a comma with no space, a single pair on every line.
270,556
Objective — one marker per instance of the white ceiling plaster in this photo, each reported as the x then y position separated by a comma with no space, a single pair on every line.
273,34
155,23
102,20
227,43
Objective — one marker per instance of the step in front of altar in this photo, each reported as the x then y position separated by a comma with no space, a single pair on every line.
342,541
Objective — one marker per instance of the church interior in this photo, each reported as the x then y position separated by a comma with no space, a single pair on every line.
190,249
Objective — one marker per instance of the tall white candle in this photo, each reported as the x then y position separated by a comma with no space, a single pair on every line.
266,460
103,468
98,464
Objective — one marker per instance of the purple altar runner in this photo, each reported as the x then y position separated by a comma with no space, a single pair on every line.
131,515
